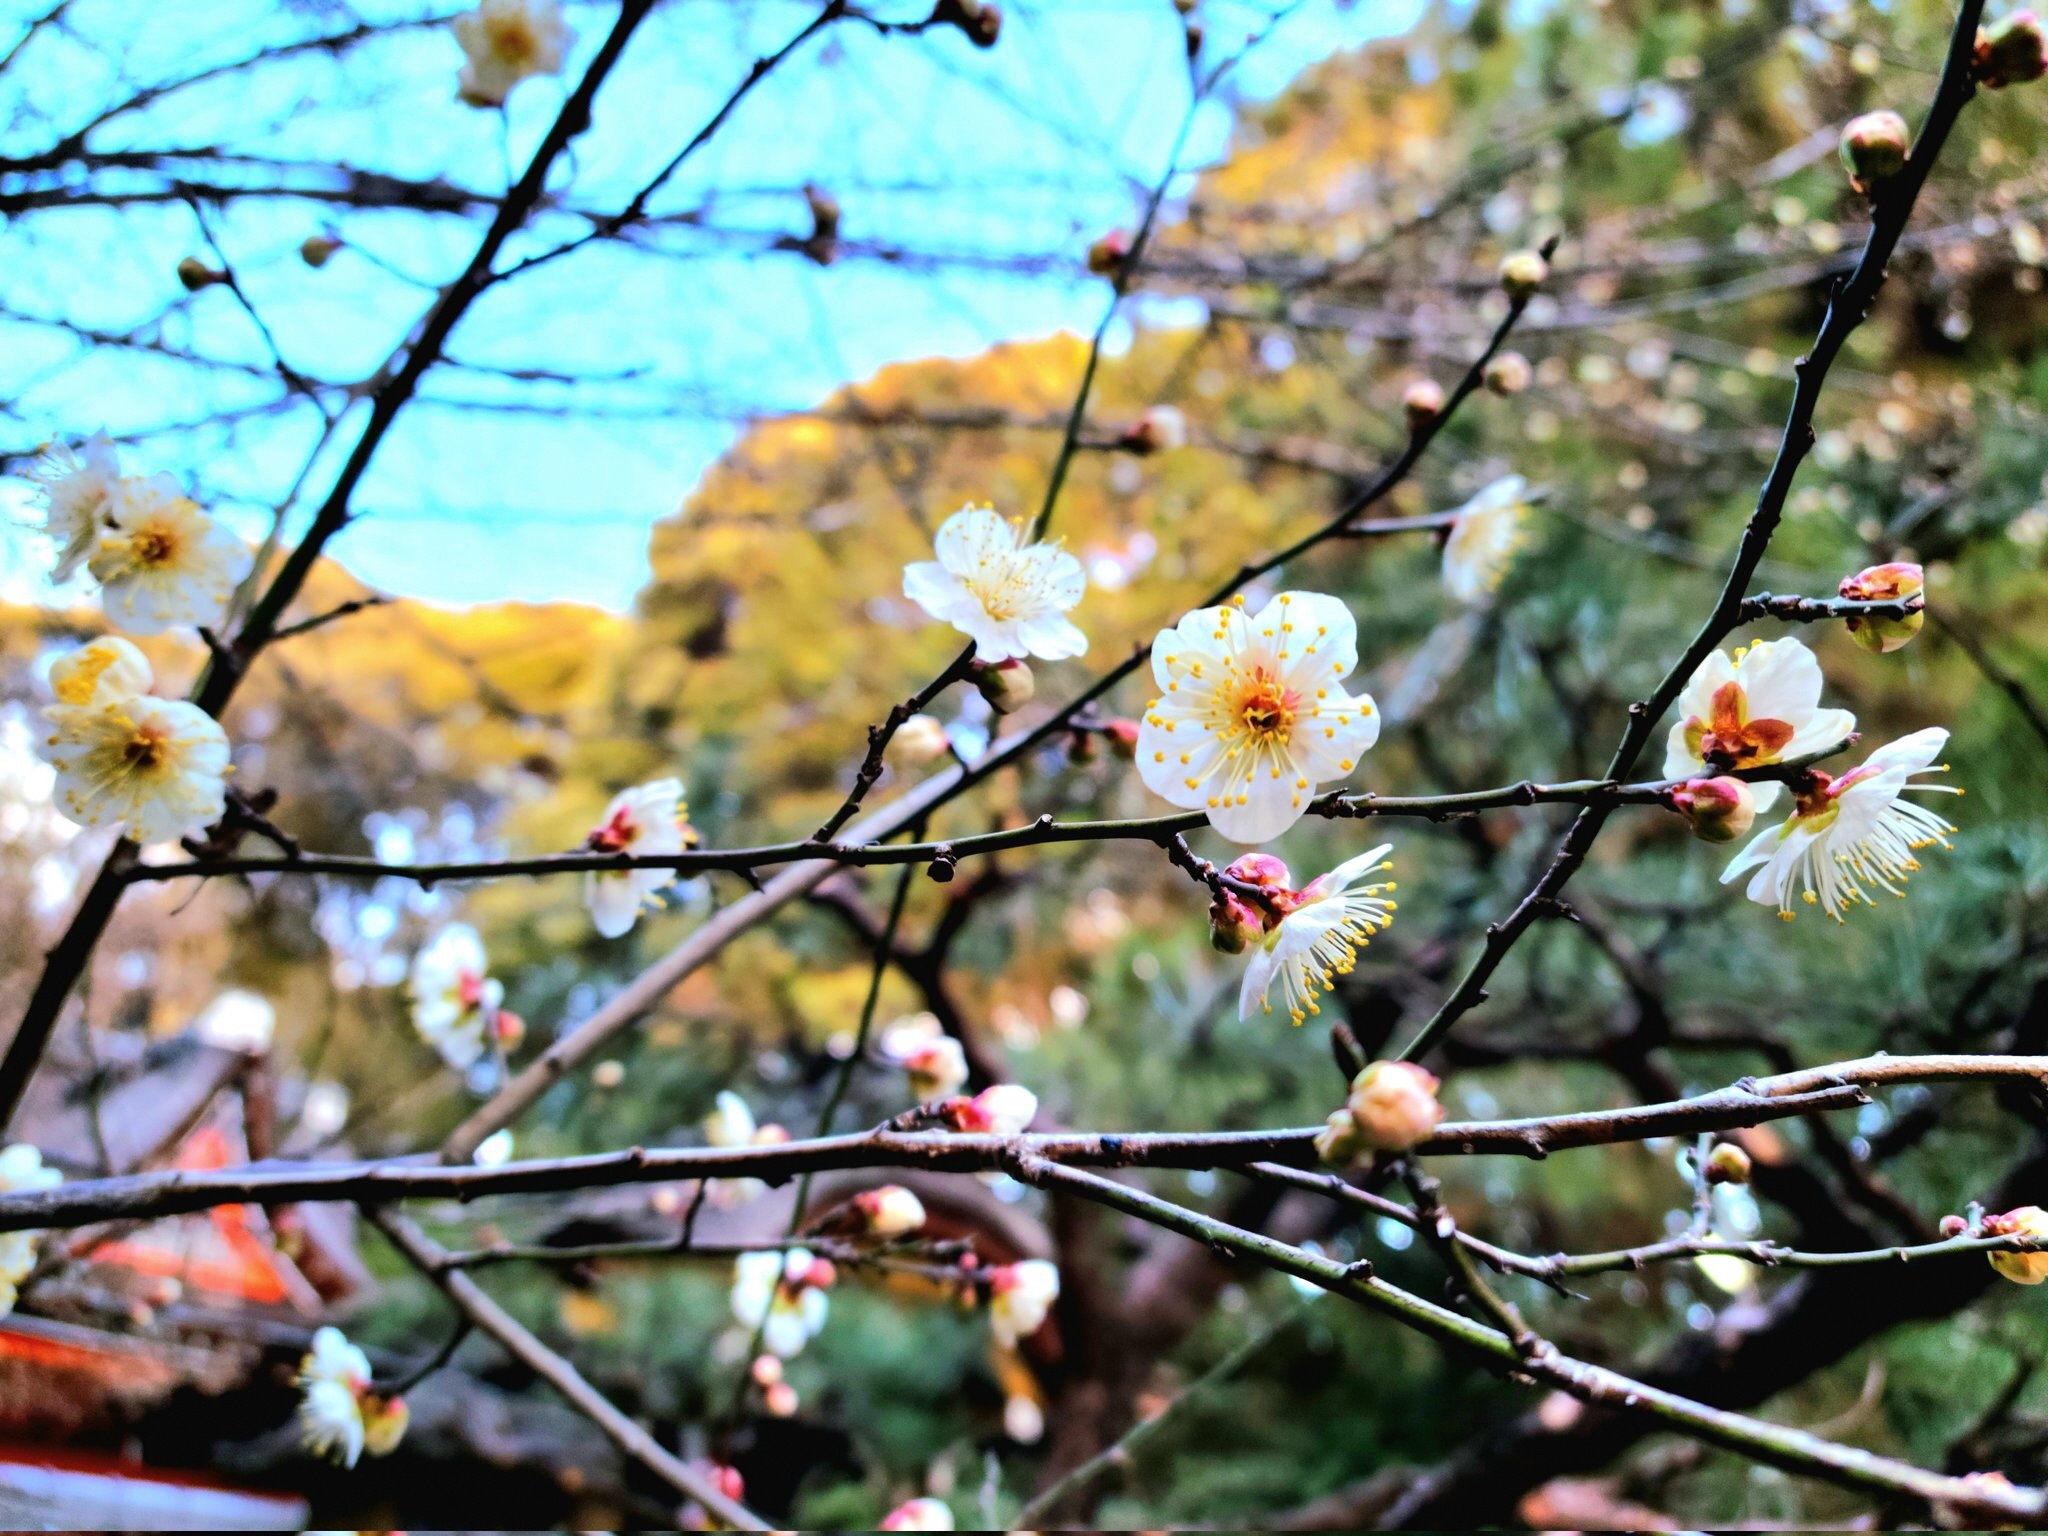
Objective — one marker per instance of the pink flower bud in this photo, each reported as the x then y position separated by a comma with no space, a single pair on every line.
1423,400
767,1370
890,1211
781,1400
1007,685
1954,1226
1106,256
818,1275
1892,582
2011,51
1509,374
1874,148
1262,870
918,1515
729,1482
1393,1105
1122,736
1233,924
1523,273
1718,810
2028,1221
509,1028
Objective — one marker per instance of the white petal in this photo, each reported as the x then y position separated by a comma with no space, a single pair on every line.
972,539
614,902
1781,678
1053,637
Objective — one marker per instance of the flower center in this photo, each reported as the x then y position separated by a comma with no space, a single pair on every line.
147,750
512,38
1729,738
153,544
469,988
1265,709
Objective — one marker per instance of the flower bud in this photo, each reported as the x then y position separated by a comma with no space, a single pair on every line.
920,739
2011,51
196,274
936,1069
1338,1142
1023,1419
1522,273
1727,1164
1160,428
509,1028
729,1482
781,1400
1509,374
890,1211
1954,1226
1122,736
1262,870
2028,1221
1007,685
1719,810
1393,1105
1423,400
1233,924
1004,1110
315,250
918,1515
1106,256
1891,582
1874,148
766,1369
818,1275
384,1422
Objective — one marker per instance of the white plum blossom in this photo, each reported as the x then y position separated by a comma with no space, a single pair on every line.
22,1171
1020,1297
775,1294
455,999
933,1060
650,820
926,1514
731,1124
1485,533
155,768
1251,717
1847,835
1760,705
1318,938
77,487
340,1417
507,41
161,561
1009,597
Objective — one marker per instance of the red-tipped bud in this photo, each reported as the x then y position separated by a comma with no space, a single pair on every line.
1423,400
1106,256
1719,810
1509,374
1122,736
1233,924
1954,1226
1895,581
729,1482
1262,870
1522,274
2011,51
766,1370
1007,685
1874,148
890,1211
1728,1164
509,1028
781,1400
820,1276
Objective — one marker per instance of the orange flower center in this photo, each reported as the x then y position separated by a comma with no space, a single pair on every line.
1265,708
147,750
512,38
616,835
1728,738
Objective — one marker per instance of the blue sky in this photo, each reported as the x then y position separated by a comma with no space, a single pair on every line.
497,488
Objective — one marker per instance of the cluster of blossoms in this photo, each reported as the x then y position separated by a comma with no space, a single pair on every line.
507,41
933,1061
1848,835
457,1005
153,767
780,1294
22,1172
1302,939
340,1415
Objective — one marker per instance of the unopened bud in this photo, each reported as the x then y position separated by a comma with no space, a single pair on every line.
1727,1164
2011,51
729,1482
1509,374
196,274
1424,402
1719,810
1338,1142
818,1275
918,1515
1106,256
1233,924
920,739
1004,1110
1954,1226
890,1211
1522,273
936,1069
1262,870
510,1029
2028,1221
981,21
781,1400
1122,736
315,250
1007,685
766,1369
1393,1105
1162,427
1895,581
1874,148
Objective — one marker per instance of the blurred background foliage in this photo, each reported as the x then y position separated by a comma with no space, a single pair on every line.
1345,246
